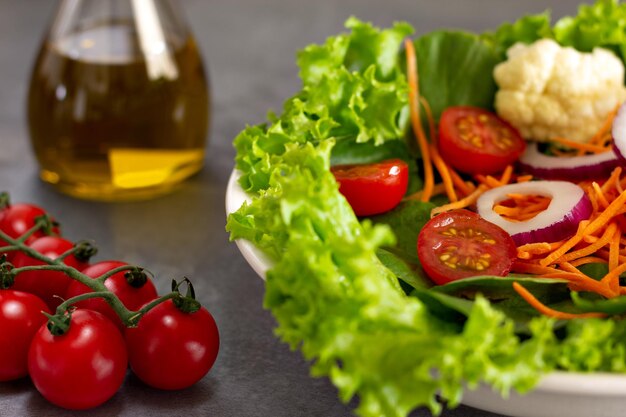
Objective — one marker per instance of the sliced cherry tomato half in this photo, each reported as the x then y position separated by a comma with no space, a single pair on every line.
373,188
476,141
461,244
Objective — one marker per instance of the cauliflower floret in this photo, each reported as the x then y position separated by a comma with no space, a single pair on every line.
547,90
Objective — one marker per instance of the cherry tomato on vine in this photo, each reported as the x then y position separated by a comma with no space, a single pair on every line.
48,285
20,318
476,141
373,188
17,219
461,244
171,349
81,368
134,290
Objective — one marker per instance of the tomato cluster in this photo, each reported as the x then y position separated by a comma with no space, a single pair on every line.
78,358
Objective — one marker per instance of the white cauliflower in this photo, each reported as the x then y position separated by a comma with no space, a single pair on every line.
547,90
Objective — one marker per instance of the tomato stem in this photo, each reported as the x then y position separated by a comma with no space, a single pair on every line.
134,317
41,223
136,278
59,323
5,201
82,251
46,224
188,302
7,277
114,271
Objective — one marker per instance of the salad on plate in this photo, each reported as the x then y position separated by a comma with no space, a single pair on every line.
448,209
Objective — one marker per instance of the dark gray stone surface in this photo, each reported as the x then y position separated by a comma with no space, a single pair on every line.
249,46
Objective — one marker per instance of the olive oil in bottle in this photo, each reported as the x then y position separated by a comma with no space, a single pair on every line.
115,117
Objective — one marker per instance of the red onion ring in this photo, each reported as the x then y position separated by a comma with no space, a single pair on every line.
572,168
558,221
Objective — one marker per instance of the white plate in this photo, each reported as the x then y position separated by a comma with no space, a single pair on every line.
559,394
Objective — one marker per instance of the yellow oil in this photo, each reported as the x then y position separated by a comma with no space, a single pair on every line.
108,124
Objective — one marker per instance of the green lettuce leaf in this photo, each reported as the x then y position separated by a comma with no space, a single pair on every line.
410,273
443,76
527,29
601,24
593,345
615,305
406,221
353,86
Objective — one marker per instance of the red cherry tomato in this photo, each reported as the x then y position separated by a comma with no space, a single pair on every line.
476,141
460,244
131,296
170,349
373,188
81,368
48,285
17,219
20,318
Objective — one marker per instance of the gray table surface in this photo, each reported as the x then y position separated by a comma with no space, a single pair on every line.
249,47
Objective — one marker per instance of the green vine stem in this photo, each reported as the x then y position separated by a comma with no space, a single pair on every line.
99,290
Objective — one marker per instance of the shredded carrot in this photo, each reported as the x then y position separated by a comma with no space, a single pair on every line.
587,260
583,282
524,178
600,195
436,190
517,196
606,215
614,251
520,207
462,203
622,182
544,309
488,180
606,238
568,267
506,175
592,197
412,75
539,248
600,137
586,147
444,173
429,116
590,239
569,244
532,268
613,180
612,278
604,254
465,188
